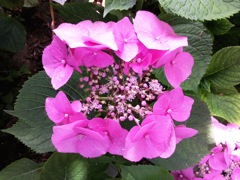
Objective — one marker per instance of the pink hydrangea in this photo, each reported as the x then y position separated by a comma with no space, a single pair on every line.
61,111
154,138
174,104
58,62
156,34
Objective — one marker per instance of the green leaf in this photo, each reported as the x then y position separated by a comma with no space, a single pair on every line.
65,166
189,151
30,3
30,108
20,170
219,27
79,11
143,172
200,45
160,75
11,4
37,137
201,9
227,107
223,70
74,167
118,5
12,34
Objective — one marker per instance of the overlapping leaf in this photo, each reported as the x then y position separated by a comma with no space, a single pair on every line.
143,172
227,107
21,169
12,34
118,5
224,68
201,9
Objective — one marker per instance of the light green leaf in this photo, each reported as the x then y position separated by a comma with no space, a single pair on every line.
65,166
30,3
143,172
118,5
35,128
201,9
189,151
224,68
199,46
219,27
78,11
227,107
21,170
12,34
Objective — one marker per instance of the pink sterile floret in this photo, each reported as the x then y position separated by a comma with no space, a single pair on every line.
174,104
115,133
58,63
77,138
96,35
61,111
92,57
156,34
177,66
154,138
126,40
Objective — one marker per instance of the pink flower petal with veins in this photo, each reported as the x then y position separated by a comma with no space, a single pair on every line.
89,57
179,68
127,41
156,34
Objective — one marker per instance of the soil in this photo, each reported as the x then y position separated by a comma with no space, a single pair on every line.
15,70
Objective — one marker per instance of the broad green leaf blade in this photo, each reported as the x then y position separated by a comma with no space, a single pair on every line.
118,5
21,170
30,3
143,172
219,27
37,137
201,9
224,68
190,151
11,4
65,166
79,11
30,108
199,46
12,34
227,107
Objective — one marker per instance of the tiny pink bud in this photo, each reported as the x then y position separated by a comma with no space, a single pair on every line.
144,103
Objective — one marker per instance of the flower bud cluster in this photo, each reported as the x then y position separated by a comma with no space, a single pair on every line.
117,94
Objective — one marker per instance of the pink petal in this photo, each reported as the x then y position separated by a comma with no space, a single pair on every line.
179,69
52,112
76,106
65,139
90,58
156,34
217,161
72,34
126,40
183,132
61,75
182,113
91,143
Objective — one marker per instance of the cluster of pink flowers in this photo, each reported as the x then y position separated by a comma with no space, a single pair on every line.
223,162
119,58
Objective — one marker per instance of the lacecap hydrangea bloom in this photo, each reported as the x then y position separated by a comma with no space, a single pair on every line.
223,162
118,59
